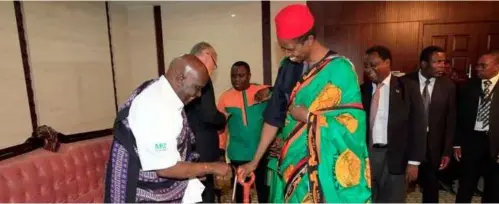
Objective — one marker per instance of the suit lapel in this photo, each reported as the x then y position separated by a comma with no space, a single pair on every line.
476,93
367,89
415,77
493,111
393,105
367,95
437,103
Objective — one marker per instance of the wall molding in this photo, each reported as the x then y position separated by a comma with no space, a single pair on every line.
38,141
158,30
18,9
266,43
111,55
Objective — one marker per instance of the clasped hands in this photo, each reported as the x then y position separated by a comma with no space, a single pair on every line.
299,112
220,170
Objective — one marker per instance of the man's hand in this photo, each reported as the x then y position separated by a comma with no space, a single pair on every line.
299,112
444,163
457,153
262,95
245,170
220,169
412,173
275,148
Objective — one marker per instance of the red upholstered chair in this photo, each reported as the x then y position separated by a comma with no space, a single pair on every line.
74,174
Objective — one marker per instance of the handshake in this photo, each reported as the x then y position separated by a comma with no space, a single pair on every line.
220,170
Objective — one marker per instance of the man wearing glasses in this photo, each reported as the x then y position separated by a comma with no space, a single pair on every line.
204,118
477,143
396,132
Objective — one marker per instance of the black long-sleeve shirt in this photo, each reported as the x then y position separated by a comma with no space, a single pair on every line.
289,73
205,120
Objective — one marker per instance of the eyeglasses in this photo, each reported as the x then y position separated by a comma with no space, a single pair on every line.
214,61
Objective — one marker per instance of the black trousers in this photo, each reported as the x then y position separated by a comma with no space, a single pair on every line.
428,177
260,181
428,180
209,190
476,162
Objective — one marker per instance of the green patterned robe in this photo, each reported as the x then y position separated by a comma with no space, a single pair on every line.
326,159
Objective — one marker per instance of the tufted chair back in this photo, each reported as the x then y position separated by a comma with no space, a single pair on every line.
74,174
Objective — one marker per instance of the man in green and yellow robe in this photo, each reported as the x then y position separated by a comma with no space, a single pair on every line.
244,125
323,155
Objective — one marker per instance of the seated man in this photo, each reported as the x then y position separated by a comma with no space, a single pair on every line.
151,157
244,125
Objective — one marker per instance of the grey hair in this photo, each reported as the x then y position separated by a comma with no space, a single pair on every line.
199,47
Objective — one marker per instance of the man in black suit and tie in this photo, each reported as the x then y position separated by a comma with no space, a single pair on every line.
477,141
204,118
396,132
438,96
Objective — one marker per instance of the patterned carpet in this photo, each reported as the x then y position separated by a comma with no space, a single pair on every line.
414,197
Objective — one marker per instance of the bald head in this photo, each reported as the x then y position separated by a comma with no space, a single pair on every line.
187,75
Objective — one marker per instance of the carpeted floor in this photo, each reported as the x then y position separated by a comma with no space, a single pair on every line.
414,197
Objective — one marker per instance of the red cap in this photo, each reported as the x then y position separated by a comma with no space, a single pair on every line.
293,21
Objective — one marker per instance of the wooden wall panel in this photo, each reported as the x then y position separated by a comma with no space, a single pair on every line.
351,27
354,12
353,40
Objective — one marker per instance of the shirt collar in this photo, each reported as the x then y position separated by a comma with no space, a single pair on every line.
423,78
493,80
385,82
167,90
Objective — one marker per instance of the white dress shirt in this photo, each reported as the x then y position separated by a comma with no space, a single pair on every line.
478,124
379,134
156,121
422,84
380,126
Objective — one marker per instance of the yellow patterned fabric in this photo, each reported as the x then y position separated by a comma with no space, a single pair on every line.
347,169
327,162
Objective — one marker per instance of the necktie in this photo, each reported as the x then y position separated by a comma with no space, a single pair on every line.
426,102
484,108
374,107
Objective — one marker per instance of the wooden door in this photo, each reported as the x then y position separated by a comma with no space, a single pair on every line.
463,42
489,37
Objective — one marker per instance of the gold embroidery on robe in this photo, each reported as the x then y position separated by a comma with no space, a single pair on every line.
347,120
367,173
307,199
321,121
347,169
329,97
288,172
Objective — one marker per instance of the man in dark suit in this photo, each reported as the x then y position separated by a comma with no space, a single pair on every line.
396,132
204,118
477,142
438,96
